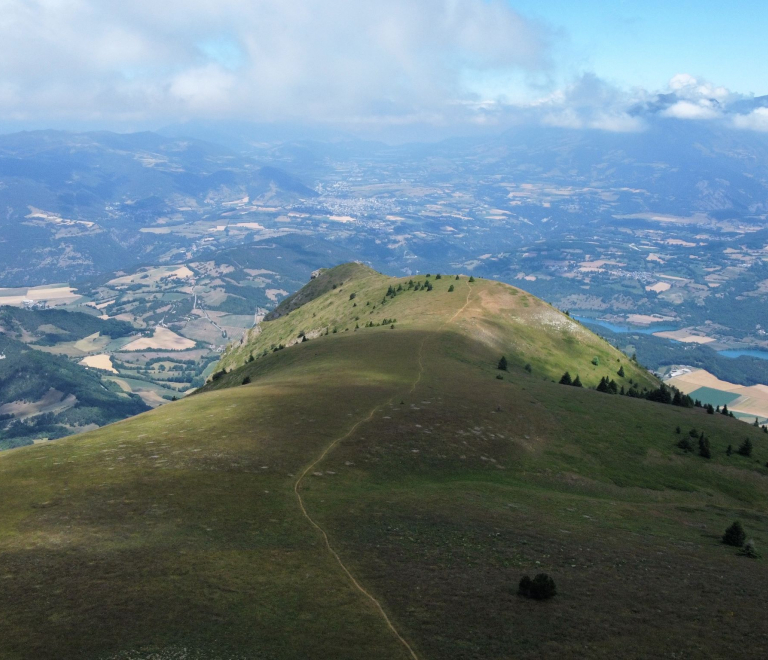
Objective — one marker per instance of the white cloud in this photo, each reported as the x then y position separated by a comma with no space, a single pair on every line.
321,60
364,63
757,120
689,87
691,110
590,102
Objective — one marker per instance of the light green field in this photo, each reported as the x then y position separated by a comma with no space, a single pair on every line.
378,494
714,397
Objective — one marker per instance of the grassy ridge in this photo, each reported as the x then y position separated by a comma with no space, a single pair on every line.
180,529
505,319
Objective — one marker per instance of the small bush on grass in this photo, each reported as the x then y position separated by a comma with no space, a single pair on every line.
542,587
749,550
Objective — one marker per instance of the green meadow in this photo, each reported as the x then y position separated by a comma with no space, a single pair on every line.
378,492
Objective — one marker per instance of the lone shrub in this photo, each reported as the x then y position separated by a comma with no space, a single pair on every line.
502,366
246,380
541,587
450,289
735,535
749,550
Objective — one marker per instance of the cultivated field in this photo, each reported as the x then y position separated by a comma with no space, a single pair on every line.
103,362
162,339
751,401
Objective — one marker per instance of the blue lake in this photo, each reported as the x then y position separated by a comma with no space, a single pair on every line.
748,352
649,330
624,329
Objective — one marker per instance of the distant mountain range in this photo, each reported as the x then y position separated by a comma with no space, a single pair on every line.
74,203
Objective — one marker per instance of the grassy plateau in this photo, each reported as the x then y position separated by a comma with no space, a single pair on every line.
378,492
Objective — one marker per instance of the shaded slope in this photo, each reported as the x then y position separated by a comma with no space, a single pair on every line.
437,485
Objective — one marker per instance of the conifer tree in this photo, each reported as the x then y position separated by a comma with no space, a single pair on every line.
745,449
471,279
621,371
566,379
502,366
735,535
577,381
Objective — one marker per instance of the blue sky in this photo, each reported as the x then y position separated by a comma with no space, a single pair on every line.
647,42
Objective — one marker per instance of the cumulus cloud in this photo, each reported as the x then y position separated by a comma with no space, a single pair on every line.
701,109
328,60
592,103
757,120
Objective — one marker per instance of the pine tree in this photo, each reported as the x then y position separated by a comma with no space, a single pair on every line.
621,371
502,366
729,451
704,449
566,379
577,381
745,449
457,277
724,411
471,279
450,289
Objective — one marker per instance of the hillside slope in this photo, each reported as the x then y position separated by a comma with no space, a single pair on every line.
379,493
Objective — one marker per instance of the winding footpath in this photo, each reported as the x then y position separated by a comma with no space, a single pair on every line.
297,489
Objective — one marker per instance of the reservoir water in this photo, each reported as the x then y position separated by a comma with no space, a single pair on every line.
747,352
625,329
